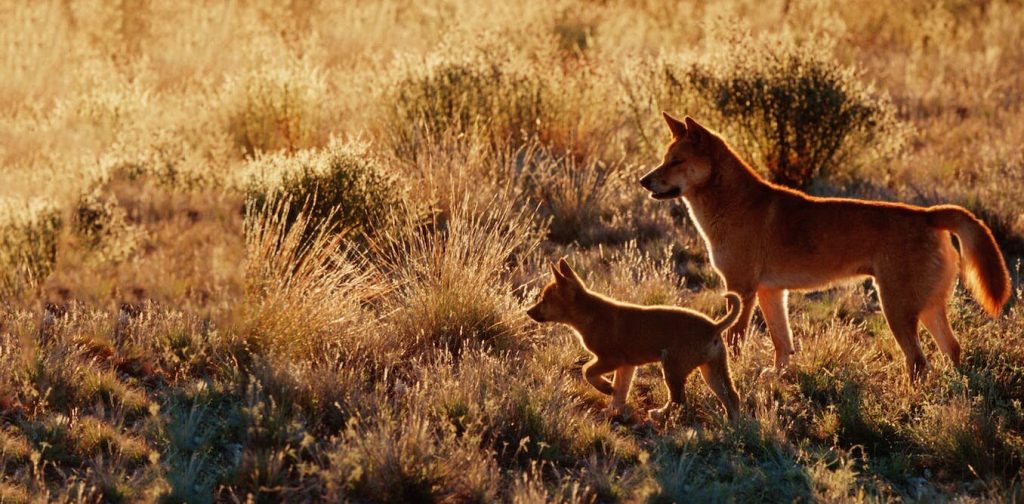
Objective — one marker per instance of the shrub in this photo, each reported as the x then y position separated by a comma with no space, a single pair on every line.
340,186
28,245
797,111
477,94
276,106
536,417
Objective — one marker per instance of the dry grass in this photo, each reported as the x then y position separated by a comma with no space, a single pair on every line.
280,251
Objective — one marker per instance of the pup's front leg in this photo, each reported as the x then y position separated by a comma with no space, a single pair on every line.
621,385
593,370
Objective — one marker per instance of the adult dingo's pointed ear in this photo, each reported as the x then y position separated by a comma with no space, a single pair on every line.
678,129
567,272
555,273
695,132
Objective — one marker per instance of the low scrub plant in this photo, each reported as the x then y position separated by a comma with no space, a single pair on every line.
341,186
471,93
793,108
276,106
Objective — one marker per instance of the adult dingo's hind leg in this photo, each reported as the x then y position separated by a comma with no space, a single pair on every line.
937,323
934,315
903,321
906,287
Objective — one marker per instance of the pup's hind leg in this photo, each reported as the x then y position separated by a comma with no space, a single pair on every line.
776,315
623,380
675,371
716,375
593,370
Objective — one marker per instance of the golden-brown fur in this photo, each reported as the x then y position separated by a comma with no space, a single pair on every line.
622,336
765,239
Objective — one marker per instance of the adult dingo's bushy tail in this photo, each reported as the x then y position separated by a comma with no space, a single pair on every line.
735,307
984,268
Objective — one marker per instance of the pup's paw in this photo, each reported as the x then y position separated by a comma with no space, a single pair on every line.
614,411
659,415
771,373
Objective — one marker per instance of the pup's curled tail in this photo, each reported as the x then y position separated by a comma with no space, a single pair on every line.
735,307
984,268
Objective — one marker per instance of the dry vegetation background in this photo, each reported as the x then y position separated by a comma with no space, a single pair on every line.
281,251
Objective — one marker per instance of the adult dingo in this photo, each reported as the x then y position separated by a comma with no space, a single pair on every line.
764,240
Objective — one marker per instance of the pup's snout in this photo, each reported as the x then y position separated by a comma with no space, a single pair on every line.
645,181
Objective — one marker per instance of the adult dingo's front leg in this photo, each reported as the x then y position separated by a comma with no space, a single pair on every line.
776,316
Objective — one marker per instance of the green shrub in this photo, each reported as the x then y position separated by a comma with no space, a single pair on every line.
340,187
475,95
796,110
580,201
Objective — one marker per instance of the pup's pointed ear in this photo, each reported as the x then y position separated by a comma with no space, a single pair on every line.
696,134
678,129
567,272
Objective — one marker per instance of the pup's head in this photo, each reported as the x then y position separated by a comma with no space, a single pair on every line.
556,299
687,164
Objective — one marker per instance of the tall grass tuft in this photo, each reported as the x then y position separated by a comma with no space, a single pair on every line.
303,289
451,276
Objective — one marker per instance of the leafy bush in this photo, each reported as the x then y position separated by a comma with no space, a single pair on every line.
340,186
476,95
796,110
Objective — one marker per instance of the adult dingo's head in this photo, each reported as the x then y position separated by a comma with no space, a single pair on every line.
687,163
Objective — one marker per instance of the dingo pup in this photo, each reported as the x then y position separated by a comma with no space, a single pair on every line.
764,239
622,336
